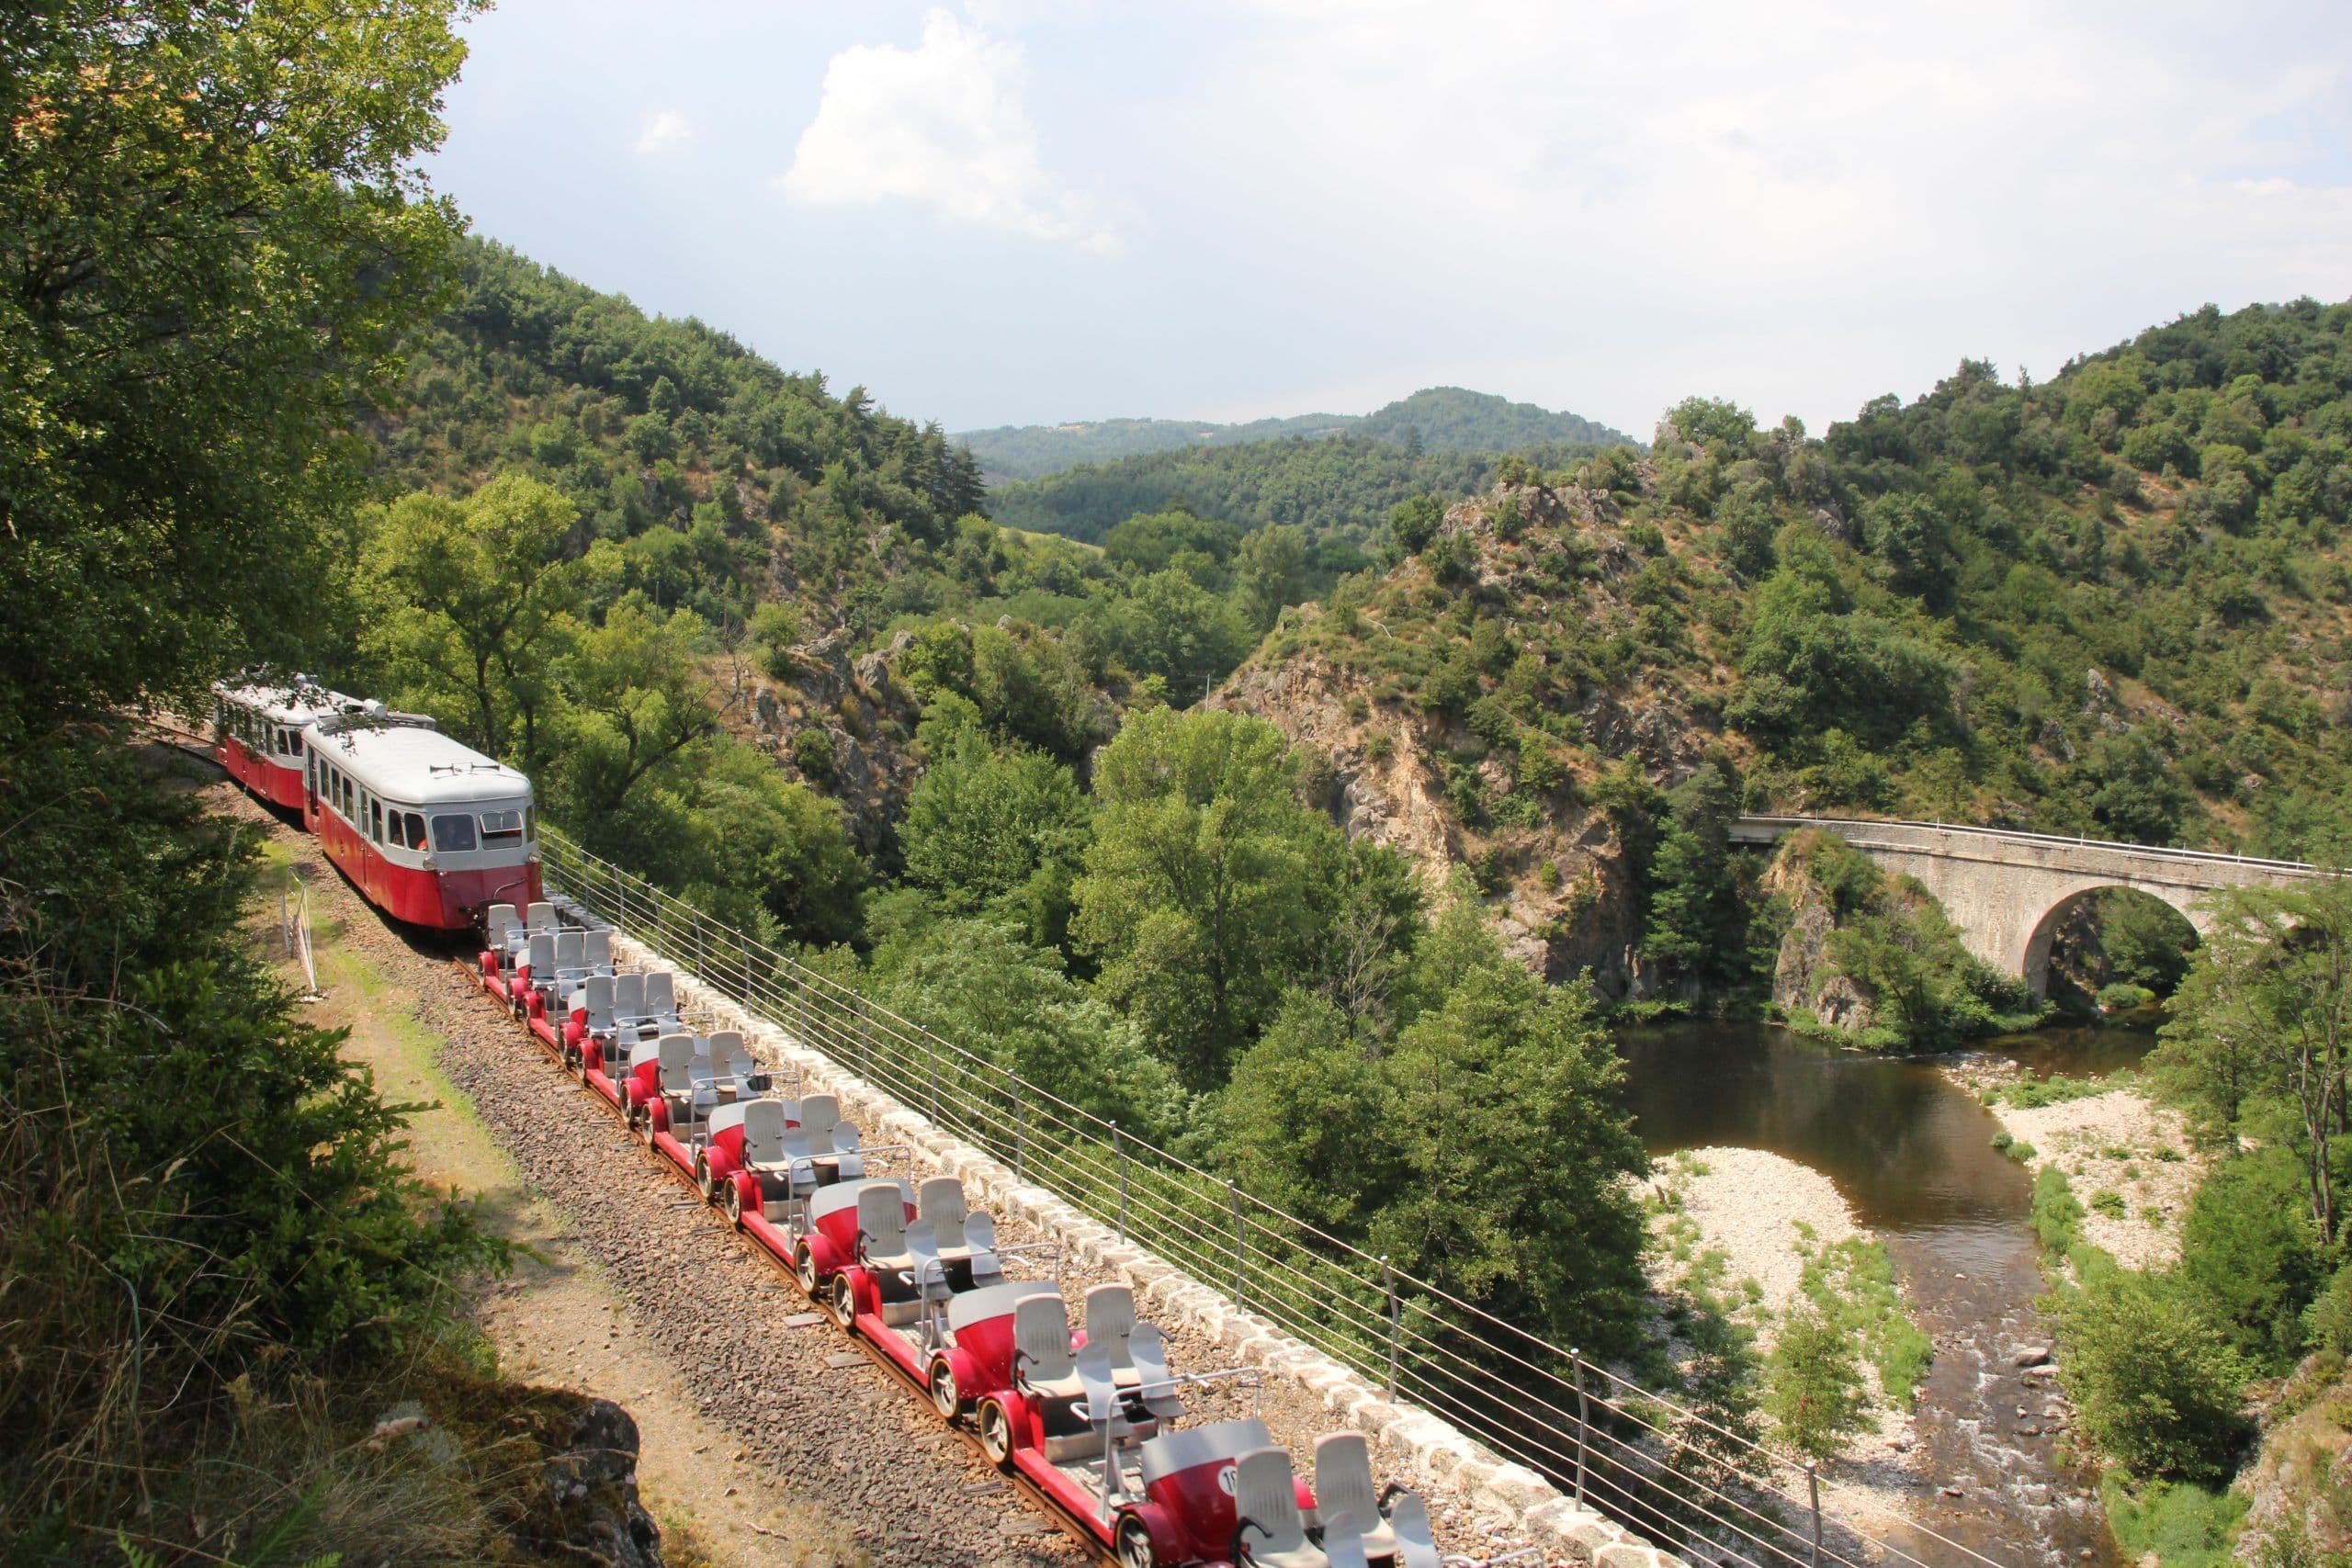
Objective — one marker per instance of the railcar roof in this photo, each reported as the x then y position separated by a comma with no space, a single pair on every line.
286,705
420,767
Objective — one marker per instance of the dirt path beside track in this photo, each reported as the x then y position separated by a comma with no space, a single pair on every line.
766,1443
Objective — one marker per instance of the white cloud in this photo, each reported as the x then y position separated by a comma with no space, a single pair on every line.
940,125
662,129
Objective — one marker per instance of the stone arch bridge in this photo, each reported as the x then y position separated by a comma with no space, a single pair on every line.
2007,892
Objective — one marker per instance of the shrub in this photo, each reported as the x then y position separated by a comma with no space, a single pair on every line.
812,753
1814,1384
774,628
2107,1201
2155,1383
2248,1249
2180,1524
2124,997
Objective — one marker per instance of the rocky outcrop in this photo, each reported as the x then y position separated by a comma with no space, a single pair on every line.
2300,1485
1805,980
585,1505
863,728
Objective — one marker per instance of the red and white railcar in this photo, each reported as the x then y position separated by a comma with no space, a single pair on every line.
429,830
260,733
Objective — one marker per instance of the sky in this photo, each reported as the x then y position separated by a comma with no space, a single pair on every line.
1022,211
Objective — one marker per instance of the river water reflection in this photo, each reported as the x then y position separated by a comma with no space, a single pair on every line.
1911,1152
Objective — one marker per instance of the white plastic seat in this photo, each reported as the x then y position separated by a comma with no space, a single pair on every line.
819,1114
763,1135
596,951
500,925
568,955
1147,1351
1408,1519
688,1091
594,997
661,996
628,999
940,1202
1271,1533
543,918
732,1062
540,956
1345,1500
1041,1347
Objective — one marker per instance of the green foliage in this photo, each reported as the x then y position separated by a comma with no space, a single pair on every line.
2154,1383
2179,1523
1851,1286
1813,1385
998,829
204,203
1394,1144
2247,1247
1199,892
982,983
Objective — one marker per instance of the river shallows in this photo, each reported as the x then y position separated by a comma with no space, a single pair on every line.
1912,1153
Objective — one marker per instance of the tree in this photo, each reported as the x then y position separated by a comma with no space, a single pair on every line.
1269,574
981,984
637,696
471,602
2264,1020
1813,1385
1202,887
2157,1386
1300,1124
1498,1071
988,828
216,238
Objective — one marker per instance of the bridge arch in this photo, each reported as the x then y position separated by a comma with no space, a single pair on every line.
2033,963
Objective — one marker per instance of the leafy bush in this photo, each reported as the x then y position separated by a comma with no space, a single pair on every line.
2155,1383
2121,995
2248,1249
1813,1385
2179,1523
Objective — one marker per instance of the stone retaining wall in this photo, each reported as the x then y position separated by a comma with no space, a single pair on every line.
1405,1438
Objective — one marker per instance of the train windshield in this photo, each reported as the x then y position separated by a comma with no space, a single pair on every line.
501,825
453,835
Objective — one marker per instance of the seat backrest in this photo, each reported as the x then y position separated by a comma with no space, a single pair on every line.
882,1219
763,1131
596,951
660,993
1147,1353
941,1200
1041,1334
1409,1520
542,958
568,951
628,996
1265,1498
596,999
728,1056
542,918
677,1064
499,923
1110,1318
1344,1497
979,1231
820,1113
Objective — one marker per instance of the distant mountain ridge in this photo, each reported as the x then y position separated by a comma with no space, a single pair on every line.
1451,419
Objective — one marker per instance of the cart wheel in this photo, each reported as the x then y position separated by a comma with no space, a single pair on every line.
996,1433
804,1264
645,1126
734,1206
703,1182
945,1397
842,1302
1134,1544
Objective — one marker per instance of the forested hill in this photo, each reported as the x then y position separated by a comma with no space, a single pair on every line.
642,420
1342,485
2118,603
1445,419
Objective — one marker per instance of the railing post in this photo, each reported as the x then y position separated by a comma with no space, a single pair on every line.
1584,1419
937,1119
1813,1485
1020,1135
1119,1147
1396,1323
1233,1201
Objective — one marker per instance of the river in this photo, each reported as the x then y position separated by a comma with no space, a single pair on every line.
1912,1153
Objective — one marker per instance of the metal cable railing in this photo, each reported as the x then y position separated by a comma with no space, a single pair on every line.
1667,1470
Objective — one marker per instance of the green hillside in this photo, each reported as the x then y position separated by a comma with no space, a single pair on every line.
1344,485
1445,419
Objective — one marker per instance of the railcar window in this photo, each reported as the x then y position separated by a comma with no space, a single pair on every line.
453,835
376,820
501,825
415,831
